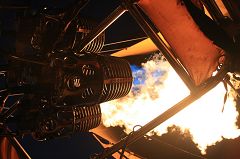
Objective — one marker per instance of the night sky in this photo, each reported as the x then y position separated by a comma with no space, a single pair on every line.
80,146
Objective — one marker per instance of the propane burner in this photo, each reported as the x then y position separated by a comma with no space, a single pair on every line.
61,83
63,96
100,79
66,120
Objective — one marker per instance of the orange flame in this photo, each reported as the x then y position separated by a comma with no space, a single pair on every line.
204,119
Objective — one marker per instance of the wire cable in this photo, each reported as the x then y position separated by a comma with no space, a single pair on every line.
27,60
119,42
124,41
107,51
175,147
160,141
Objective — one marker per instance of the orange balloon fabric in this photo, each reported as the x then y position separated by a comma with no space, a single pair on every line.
195,51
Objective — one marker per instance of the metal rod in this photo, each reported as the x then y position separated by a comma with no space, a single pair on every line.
78,6
18,147
131,138
13,7
168,54
101,28
11,110
27,60
233,9
213,10
3,90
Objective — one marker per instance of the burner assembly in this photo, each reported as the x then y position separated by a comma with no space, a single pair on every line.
66,97
61,83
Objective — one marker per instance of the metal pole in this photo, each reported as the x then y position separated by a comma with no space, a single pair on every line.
131,138
168,54
13,7
10,111
214,10
101,28
20,150
232,9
